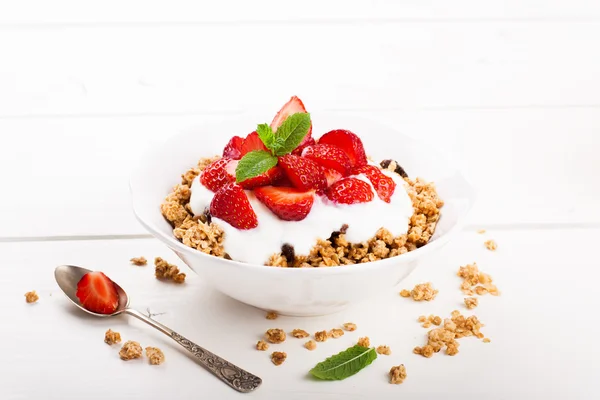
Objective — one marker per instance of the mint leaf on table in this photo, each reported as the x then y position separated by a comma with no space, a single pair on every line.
344,364
289,134
253,164
266,135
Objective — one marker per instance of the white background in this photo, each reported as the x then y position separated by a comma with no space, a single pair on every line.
511,89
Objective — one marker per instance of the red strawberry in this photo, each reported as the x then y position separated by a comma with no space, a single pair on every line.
328,156
298,150
218,173
97,293
267,178
252,143
231,204
233,149
289,204
349,142
302,172
293,106
383,184
332,176
349,191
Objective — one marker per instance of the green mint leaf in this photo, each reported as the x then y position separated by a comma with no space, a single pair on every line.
265,133
289,135
344,364
253,164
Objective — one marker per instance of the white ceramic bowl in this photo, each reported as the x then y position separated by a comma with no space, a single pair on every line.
303,291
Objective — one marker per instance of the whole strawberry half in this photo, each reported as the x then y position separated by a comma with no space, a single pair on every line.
97,293
349,191
293,106
349,142
269,177
218,173
252,143
329,156
302,172
289,204
383,184
233,149
231,204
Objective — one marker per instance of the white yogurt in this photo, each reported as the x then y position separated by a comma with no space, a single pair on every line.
363,220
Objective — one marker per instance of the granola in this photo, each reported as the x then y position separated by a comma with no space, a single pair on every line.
262,345
349,326
364,342
422,291
130,350
111,337
397,374
300,333
310,345
200,233
490,245
31,297
155,355
385,350
475,281
471,302
139,261
275,335
335,333
278,357
272,315
164,270
321,336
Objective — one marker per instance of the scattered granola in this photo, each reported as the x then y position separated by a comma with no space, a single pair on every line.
155,355
321,336
130,350
486,340
278,357
475,281
422,291
454,328
335,333
300,333
481,231
349,326
310,345
490,245
385,350
364,342
471,302
431,319
275,335
164,270
397,374
31,297
111,337
272,315
262,345
139,261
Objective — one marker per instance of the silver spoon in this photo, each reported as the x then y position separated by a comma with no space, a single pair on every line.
67,277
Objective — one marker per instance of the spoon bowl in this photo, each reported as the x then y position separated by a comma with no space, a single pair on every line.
67,277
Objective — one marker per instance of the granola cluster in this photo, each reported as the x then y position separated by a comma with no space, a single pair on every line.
432,319
272,315
111,337
139,261
31,297
200,233
456,327
349,326
300,333
490,245
385,350
310,345
262,345
164,270
155,355
364,341
275,335
422,291
278,357
397,374
475,281
130,350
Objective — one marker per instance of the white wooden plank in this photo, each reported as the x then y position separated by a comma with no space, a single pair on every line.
51,350
69,176
112,11
215,68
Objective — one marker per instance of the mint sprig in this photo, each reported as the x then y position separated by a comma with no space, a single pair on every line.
345,363
281,142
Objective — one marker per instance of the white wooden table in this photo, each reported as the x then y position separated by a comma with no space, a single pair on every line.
511,90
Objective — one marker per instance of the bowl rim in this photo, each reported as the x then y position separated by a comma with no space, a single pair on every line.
176,245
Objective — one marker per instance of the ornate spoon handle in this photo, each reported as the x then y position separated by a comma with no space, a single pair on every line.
231,374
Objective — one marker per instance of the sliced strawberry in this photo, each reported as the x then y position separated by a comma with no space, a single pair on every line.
383,184
302,172
252,143
349,191
265,179
298,150
233,149
97,293
218,173
293,106
328,156
231,204
332,176
349,142
289,204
